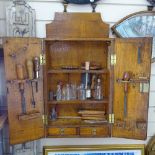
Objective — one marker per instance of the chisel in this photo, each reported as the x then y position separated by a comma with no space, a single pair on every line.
20,76
29,65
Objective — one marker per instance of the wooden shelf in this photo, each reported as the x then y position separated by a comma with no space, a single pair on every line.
108,40
78,101
68,123
77,71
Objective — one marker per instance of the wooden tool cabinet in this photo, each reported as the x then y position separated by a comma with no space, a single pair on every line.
72,39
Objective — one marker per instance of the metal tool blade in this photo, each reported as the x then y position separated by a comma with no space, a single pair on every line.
23,102
139,55
33,100
125,104
36,86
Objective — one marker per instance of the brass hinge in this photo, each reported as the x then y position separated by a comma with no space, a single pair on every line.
113,59
42,59
144,87
45,120
111,118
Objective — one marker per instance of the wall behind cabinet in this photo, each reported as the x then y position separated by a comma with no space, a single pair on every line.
111,11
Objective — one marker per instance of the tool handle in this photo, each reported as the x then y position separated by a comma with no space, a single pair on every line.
29,65
36,67
126,76
125,87
20,71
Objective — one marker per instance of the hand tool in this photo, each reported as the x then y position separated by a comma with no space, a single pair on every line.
36,63
29,65
20,76
126,77
139,54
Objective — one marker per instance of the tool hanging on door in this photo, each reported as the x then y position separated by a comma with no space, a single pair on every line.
126,78
36,65
29,65
20,76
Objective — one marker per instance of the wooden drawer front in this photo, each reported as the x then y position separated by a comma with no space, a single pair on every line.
61,131
94,131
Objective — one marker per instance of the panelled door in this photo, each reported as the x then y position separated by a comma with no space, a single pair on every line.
24,80
131,87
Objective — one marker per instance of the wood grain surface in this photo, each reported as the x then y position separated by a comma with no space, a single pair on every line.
22,130
137,102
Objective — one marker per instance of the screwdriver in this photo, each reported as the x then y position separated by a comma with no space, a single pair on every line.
29,65
20,76
126,77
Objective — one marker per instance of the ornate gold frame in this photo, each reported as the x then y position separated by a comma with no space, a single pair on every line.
52,149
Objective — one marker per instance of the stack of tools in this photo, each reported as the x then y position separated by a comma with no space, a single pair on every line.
92,116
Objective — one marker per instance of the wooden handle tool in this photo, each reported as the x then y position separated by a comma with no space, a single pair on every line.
20,76
126,77
29,64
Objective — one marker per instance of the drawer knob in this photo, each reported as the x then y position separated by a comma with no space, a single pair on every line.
62,131
94,131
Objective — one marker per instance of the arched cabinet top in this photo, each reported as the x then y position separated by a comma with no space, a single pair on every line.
77,26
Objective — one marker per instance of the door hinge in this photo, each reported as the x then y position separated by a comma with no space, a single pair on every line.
113,59
42,59
111,118
144,87
45,119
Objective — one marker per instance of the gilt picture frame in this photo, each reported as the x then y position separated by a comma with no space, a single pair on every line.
136,149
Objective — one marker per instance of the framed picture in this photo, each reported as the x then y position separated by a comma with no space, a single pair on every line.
95,150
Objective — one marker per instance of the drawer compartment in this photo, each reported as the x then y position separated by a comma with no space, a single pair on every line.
95,131
61,131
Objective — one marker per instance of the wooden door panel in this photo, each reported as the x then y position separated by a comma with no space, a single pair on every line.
134,57
28,125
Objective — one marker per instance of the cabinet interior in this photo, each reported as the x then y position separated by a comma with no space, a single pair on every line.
73,54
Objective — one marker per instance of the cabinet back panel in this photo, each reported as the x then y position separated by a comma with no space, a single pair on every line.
73,53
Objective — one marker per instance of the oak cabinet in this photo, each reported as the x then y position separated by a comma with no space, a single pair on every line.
75,40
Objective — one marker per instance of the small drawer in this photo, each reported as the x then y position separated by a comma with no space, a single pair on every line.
61,131
94,131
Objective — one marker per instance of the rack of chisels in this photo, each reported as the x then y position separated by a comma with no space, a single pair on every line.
27,73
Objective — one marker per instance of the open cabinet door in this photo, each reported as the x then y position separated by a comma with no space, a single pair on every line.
24,89
131,87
